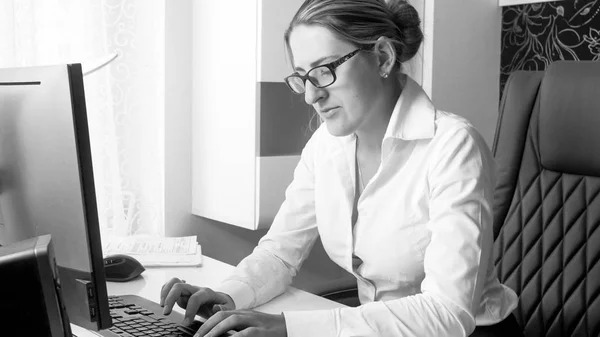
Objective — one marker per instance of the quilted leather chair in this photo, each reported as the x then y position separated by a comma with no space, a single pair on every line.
546,203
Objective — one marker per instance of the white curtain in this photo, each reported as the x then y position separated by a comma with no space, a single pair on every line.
125,100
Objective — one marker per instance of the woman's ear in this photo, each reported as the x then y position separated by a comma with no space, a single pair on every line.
386,55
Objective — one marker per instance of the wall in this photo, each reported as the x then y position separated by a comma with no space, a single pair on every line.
221,241
535,35
178,108
462,43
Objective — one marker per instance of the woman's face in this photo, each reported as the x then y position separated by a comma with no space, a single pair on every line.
351,101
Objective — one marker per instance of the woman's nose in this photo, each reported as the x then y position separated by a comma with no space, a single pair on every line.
312,94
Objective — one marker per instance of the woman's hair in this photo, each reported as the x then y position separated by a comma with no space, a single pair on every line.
362,22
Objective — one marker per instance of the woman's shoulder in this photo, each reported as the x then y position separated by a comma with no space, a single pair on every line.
448,124
453,130
447,121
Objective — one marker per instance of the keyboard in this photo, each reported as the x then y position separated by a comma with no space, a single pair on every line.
135,316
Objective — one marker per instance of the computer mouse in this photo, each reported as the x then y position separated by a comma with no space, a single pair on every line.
122,268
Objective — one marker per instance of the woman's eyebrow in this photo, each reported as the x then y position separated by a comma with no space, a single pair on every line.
317,62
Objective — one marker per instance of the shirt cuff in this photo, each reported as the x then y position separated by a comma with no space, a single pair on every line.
241,294
310,323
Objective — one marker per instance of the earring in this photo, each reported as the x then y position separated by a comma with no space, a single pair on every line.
384,75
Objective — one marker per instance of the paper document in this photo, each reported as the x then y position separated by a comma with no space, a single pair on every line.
150,245
171,260
152,251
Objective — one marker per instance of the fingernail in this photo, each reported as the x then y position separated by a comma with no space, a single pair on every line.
162,303
164,311
187,322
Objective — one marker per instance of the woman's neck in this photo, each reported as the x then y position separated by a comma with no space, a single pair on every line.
371,134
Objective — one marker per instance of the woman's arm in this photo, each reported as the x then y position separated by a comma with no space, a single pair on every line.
269,270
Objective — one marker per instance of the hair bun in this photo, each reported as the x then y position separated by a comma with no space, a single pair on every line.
407,19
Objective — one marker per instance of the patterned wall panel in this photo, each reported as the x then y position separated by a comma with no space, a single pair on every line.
535,35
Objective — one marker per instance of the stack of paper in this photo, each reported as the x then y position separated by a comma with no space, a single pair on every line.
153,251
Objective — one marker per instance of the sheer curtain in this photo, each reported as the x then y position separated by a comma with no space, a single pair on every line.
125,100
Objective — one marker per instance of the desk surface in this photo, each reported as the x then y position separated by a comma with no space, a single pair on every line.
210,274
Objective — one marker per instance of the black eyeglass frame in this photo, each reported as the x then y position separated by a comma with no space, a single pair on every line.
331,66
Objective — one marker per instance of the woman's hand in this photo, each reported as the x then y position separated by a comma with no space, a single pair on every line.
248,323
195,300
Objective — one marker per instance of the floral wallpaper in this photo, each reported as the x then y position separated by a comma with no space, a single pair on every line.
535,35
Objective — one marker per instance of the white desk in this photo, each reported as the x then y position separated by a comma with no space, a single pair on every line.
210,274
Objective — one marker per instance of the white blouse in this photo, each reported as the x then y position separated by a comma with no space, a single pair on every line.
423,233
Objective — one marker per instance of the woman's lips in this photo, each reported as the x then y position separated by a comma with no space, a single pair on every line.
329,112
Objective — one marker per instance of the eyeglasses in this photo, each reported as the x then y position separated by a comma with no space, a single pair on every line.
320,76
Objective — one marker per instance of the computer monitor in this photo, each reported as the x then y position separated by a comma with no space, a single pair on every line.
47,182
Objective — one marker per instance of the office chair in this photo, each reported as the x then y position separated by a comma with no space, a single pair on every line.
546,204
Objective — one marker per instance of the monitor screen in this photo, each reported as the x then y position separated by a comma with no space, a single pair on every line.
47,183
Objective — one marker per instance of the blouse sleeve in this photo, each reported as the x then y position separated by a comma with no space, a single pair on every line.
461,181
268,271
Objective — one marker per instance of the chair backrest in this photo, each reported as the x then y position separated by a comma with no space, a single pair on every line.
546,203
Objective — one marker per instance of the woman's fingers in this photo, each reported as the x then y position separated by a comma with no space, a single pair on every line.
195,300
177,290
182,301
166,288
237,321
246,322
223,321
200,302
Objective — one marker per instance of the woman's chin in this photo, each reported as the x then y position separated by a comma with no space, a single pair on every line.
337,130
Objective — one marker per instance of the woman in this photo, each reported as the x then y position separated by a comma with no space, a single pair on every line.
399,192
